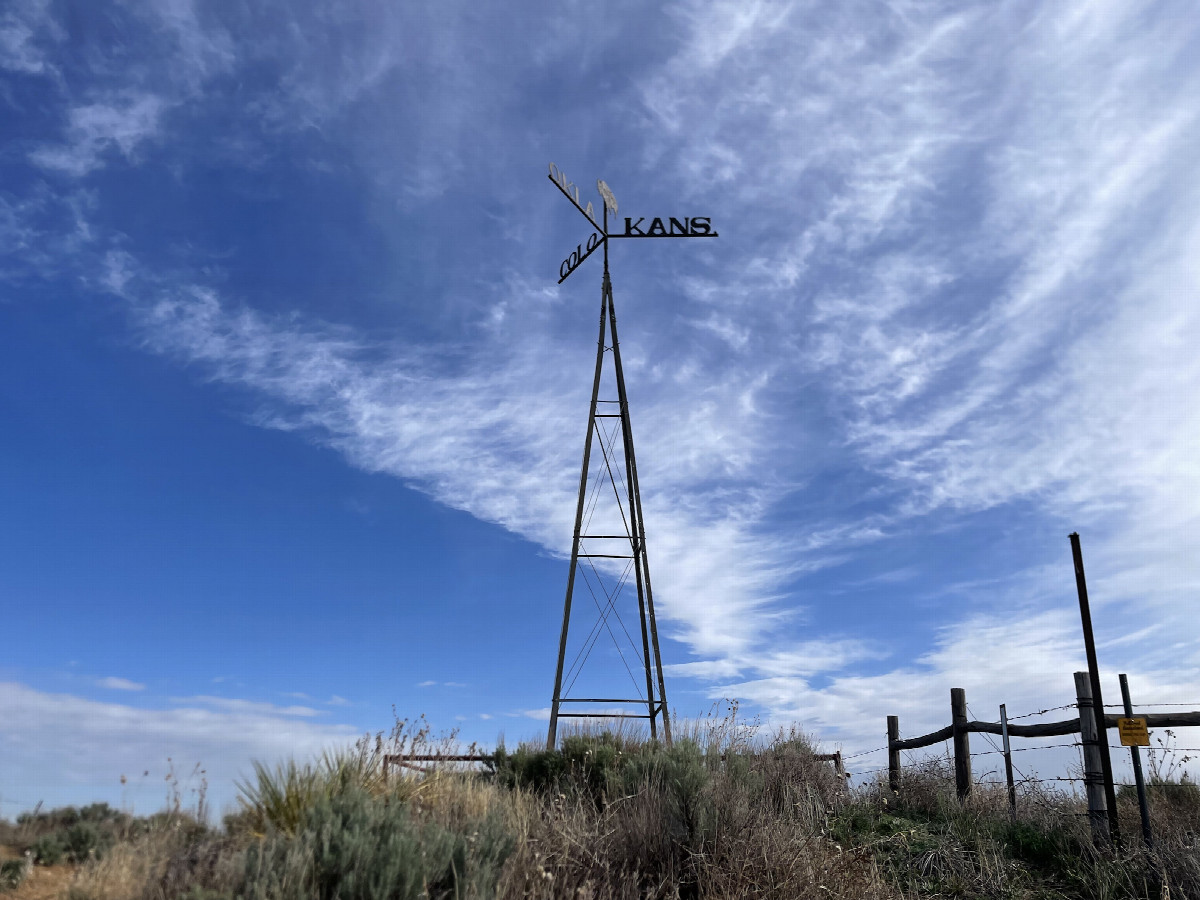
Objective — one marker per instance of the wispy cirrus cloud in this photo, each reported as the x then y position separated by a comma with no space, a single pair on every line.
114,683
119,124
957,255
26,28
937,319
488,436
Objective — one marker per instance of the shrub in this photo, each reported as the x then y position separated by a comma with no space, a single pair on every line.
680,773
588,766
12,873
537,770
83,841
48,850
355,847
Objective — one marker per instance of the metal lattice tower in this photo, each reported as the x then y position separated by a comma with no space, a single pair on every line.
608,552
596,553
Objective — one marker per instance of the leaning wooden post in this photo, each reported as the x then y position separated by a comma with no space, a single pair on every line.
1008,766
1093,768
962,743
893,752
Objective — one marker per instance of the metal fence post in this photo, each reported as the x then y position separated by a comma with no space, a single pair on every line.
1136,756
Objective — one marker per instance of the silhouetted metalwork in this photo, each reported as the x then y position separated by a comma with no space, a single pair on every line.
623,536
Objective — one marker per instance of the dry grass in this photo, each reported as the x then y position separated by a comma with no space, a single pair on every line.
51,883
722,814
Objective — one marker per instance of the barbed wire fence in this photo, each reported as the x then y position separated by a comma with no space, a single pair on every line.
1046,792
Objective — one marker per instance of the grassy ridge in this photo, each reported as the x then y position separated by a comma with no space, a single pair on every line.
718,815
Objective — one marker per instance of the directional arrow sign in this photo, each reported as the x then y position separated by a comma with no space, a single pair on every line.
657,227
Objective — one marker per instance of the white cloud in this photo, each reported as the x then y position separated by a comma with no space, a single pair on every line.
25,27
953,390
967,241
228,704
114,683
121,123
492,438
59,746
1024,660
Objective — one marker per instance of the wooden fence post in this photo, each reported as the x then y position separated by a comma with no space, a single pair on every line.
1008,766
1093,768
962,742
893,723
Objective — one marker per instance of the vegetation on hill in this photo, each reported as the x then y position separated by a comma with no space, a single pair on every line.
721,814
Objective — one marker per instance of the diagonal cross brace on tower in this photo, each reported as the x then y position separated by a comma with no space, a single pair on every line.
625,531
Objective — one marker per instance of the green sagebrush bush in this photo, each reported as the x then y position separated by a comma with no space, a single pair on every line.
681,775
84,840
48,850
587,766
12,873
351,846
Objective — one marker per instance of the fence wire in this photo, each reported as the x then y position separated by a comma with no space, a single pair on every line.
864,753
1026,781
1042,712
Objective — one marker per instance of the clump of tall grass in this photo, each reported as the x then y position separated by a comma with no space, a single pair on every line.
280,796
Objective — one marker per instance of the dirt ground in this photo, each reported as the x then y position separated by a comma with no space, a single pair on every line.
43,883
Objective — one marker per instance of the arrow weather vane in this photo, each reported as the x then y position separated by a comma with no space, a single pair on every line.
688,227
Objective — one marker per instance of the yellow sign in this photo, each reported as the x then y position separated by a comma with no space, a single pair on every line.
1133,732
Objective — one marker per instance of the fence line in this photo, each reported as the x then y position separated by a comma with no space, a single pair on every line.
1046,729
1087,724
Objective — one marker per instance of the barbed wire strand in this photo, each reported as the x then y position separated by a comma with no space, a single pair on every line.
864,753
1042,712
1027,749
1140,704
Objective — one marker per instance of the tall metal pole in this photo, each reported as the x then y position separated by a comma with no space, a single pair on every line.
1085,612
1136,754
552,735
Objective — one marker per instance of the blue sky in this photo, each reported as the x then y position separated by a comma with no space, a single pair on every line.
292,407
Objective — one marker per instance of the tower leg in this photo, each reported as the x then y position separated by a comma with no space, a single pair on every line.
552,735
642,565
637,533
